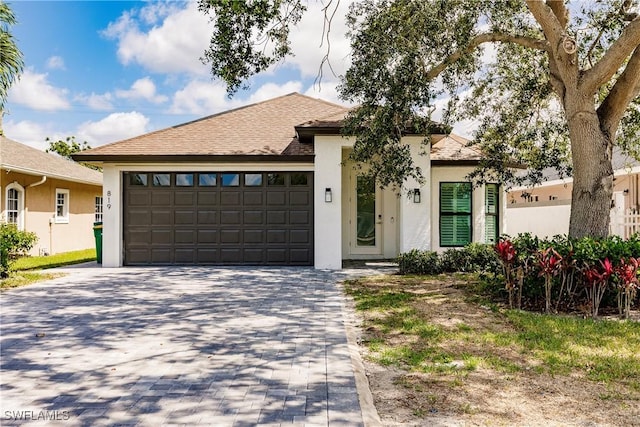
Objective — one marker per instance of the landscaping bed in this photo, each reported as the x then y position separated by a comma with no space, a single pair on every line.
437,352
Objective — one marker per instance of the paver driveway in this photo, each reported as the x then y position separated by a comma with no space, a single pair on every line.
178,346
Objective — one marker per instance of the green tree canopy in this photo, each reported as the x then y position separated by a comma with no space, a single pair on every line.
68,147
11,61
560,87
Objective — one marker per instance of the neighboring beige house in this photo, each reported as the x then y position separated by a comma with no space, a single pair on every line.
544,210
271,184
55,198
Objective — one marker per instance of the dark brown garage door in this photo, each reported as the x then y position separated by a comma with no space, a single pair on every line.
235,218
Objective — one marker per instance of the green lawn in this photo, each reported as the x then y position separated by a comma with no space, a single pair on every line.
22,273
426,325
51,261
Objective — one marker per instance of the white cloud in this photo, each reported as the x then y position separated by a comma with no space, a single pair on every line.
327,90
98,102
309,47
201,98
174,45
34,91
143,88
205,97
55,63
114,127
30,133
273,90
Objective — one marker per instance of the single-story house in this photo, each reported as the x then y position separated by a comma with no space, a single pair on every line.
49,195
271,184
544,210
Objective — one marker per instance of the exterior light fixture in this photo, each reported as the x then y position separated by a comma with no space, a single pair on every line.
416,195
328,197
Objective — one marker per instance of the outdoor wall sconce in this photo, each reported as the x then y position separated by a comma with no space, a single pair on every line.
328,197
416,195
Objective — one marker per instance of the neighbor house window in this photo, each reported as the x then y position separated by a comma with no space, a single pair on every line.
491,218
14,205
62,206
98,215
455,213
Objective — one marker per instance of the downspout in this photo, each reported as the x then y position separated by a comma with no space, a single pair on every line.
42,181
35,184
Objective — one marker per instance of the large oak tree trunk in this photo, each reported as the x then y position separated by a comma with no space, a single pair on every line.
592,171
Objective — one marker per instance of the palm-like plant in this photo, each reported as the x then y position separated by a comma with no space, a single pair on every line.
11,60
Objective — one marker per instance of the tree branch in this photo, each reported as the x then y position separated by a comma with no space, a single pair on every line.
486,38
621,94
551,26
615,56
560,11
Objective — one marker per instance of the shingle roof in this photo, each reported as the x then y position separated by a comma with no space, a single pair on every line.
22,158
453,147
265,128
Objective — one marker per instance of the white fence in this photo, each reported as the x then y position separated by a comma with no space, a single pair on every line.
625,224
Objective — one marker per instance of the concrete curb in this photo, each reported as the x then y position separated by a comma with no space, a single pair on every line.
370,415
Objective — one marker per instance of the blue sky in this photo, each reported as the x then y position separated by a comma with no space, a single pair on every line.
103,71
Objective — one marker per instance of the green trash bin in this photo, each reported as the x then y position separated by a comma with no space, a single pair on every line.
97,233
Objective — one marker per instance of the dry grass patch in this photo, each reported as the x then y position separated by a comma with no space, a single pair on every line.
437,354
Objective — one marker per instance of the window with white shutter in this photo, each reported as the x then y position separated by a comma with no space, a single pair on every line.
491,219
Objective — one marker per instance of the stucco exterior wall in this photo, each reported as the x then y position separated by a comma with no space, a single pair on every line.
40,207
541,221
406,225
457,174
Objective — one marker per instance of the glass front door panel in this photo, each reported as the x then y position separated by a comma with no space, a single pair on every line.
366,212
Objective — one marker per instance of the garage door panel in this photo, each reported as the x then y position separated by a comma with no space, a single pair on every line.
207,236
299,255
230,198
207,217
253,236
299,217
276,198
161,217
185,236
207,256
230,236
135,236
276,217
161,198
138,217
276,255
161,236
230,217
302,236
184,217
276,236
185,198
207,198
299,198
161,255
138,256
231,256
252,198
249,218
253,256
185,255
253,218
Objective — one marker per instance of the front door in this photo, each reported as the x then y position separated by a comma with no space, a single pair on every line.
366,217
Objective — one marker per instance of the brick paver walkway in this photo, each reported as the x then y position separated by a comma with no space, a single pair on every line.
177,346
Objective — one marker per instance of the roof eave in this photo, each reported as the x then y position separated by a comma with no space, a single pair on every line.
34,172
176,158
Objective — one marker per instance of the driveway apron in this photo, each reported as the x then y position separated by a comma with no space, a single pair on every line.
177,346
